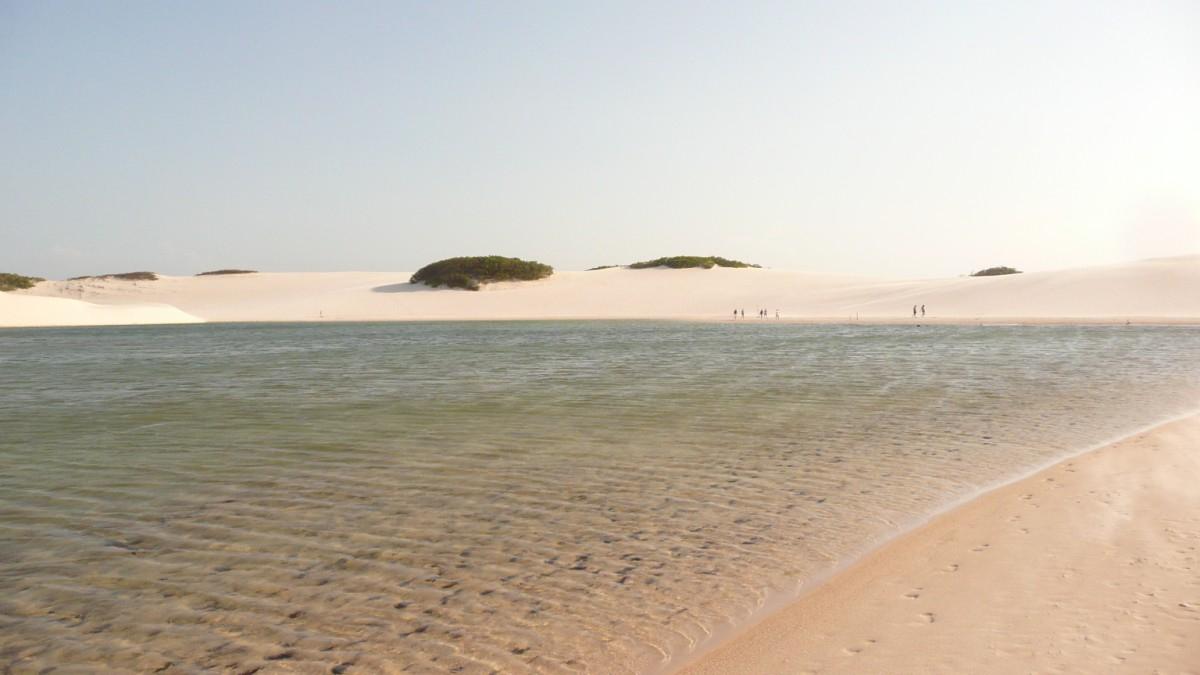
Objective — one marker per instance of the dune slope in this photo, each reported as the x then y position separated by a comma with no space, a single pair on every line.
18,310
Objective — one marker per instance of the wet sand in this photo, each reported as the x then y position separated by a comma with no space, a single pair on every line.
1092,565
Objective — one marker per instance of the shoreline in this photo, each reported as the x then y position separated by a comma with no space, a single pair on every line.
812,321
859,596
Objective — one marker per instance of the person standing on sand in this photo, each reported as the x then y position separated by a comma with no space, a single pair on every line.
922,310
743,313
914,311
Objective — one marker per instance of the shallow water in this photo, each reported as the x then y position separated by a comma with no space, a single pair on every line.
516,497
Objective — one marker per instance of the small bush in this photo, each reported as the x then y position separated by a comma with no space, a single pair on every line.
123,276
216,272
469,272
995,272
602,267
134,276
13,282
689,261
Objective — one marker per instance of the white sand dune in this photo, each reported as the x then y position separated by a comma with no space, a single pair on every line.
27,310
1166,289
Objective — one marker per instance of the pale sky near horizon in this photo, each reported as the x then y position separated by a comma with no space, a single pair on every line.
905,139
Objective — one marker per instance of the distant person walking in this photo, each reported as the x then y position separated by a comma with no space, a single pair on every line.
743,313
735,314
914,311
922,310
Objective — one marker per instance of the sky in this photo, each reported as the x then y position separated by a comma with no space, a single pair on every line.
899,139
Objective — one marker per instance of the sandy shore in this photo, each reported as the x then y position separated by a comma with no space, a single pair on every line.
1149,291
1092,565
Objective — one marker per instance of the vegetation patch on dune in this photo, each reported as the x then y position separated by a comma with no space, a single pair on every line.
689,261
995,272
123,276
472,271
217,272
601,267
15,282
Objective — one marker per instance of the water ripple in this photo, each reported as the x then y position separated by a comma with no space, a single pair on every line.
517,497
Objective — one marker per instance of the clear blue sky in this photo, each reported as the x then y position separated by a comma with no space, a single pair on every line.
908,139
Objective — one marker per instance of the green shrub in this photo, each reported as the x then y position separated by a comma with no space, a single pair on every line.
216,272
470,272
687,261
995,272
459,280
123,276
13,282
602,267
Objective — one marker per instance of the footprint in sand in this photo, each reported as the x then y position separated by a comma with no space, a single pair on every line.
981,548
857,649
923,619
952,567
913,594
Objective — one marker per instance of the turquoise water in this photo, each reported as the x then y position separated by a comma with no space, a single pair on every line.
514,497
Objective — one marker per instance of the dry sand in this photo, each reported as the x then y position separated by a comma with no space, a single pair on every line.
1159,290
27,310
1091,566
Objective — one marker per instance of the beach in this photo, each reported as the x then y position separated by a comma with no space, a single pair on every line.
600,338
1092,565
870,428
1159,290
345,470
